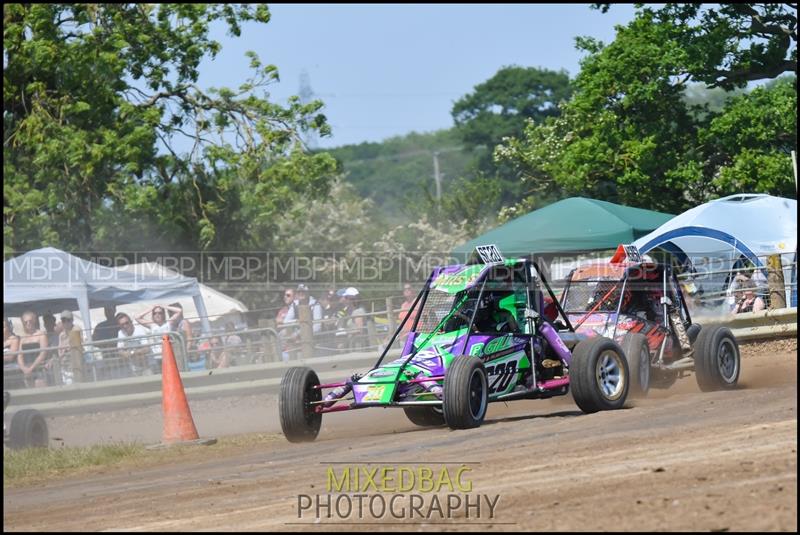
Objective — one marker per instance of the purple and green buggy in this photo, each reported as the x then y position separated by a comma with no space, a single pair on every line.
477,335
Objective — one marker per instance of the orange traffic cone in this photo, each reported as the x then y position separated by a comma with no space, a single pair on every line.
178,423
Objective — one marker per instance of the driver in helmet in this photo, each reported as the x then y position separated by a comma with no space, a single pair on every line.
492,318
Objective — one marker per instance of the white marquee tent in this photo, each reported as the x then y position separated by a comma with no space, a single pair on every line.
715,235
50,279
219,307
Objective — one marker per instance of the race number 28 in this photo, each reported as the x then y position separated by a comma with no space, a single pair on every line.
500,376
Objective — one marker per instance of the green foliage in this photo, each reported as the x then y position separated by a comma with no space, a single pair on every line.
109,141
398,173
500,106
633,134
751,141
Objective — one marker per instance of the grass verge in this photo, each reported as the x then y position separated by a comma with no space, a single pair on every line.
35,465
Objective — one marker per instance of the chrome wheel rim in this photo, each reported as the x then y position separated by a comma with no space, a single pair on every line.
609,376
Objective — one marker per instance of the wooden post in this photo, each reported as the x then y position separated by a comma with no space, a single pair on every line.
271,354
777,289
390,316
372,335
76,356
306,331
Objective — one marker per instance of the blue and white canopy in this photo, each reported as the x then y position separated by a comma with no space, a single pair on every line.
720,232
51,279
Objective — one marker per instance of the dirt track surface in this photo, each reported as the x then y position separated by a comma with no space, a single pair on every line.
678,460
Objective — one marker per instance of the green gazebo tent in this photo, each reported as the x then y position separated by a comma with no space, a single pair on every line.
574,224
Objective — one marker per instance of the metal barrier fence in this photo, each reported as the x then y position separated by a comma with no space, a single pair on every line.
722,289
98,361
765,324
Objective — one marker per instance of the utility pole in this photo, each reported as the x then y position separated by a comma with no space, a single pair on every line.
306,95
794,166
438,178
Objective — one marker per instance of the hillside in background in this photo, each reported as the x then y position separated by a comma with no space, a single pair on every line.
398,173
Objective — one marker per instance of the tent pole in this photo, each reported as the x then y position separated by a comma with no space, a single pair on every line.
86,314
200,305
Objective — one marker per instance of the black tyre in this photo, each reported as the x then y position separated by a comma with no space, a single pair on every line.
425,416
299,421
716,359
599,375
693,331
466,393
637,353
28,430
662,379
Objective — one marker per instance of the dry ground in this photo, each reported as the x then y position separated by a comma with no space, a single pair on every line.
678,460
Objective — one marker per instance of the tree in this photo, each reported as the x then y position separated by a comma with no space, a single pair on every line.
109,141
728,45
631,135
499,108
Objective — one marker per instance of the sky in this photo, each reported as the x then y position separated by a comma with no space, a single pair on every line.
388,70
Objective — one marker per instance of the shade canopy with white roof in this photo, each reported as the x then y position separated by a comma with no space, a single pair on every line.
49,279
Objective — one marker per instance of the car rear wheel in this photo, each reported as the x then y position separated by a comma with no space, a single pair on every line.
28,430
637,353
599,375
716,359
425,416
466,393
299,420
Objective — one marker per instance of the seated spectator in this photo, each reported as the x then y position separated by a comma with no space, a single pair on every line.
133,345
748,301
30,361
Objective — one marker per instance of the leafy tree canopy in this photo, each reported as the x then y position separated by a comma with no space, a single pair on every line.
109,142
500,106
728,45
630,135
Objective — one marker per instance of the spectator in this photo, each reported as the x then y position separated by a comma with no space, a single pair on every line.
181,324
233,343
158,325
405,307
328,303
301,297
132,344
10,342
354,321
107,329
288,299
50,329
68,340
32,363
748,301
734,292
217,356
325,338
